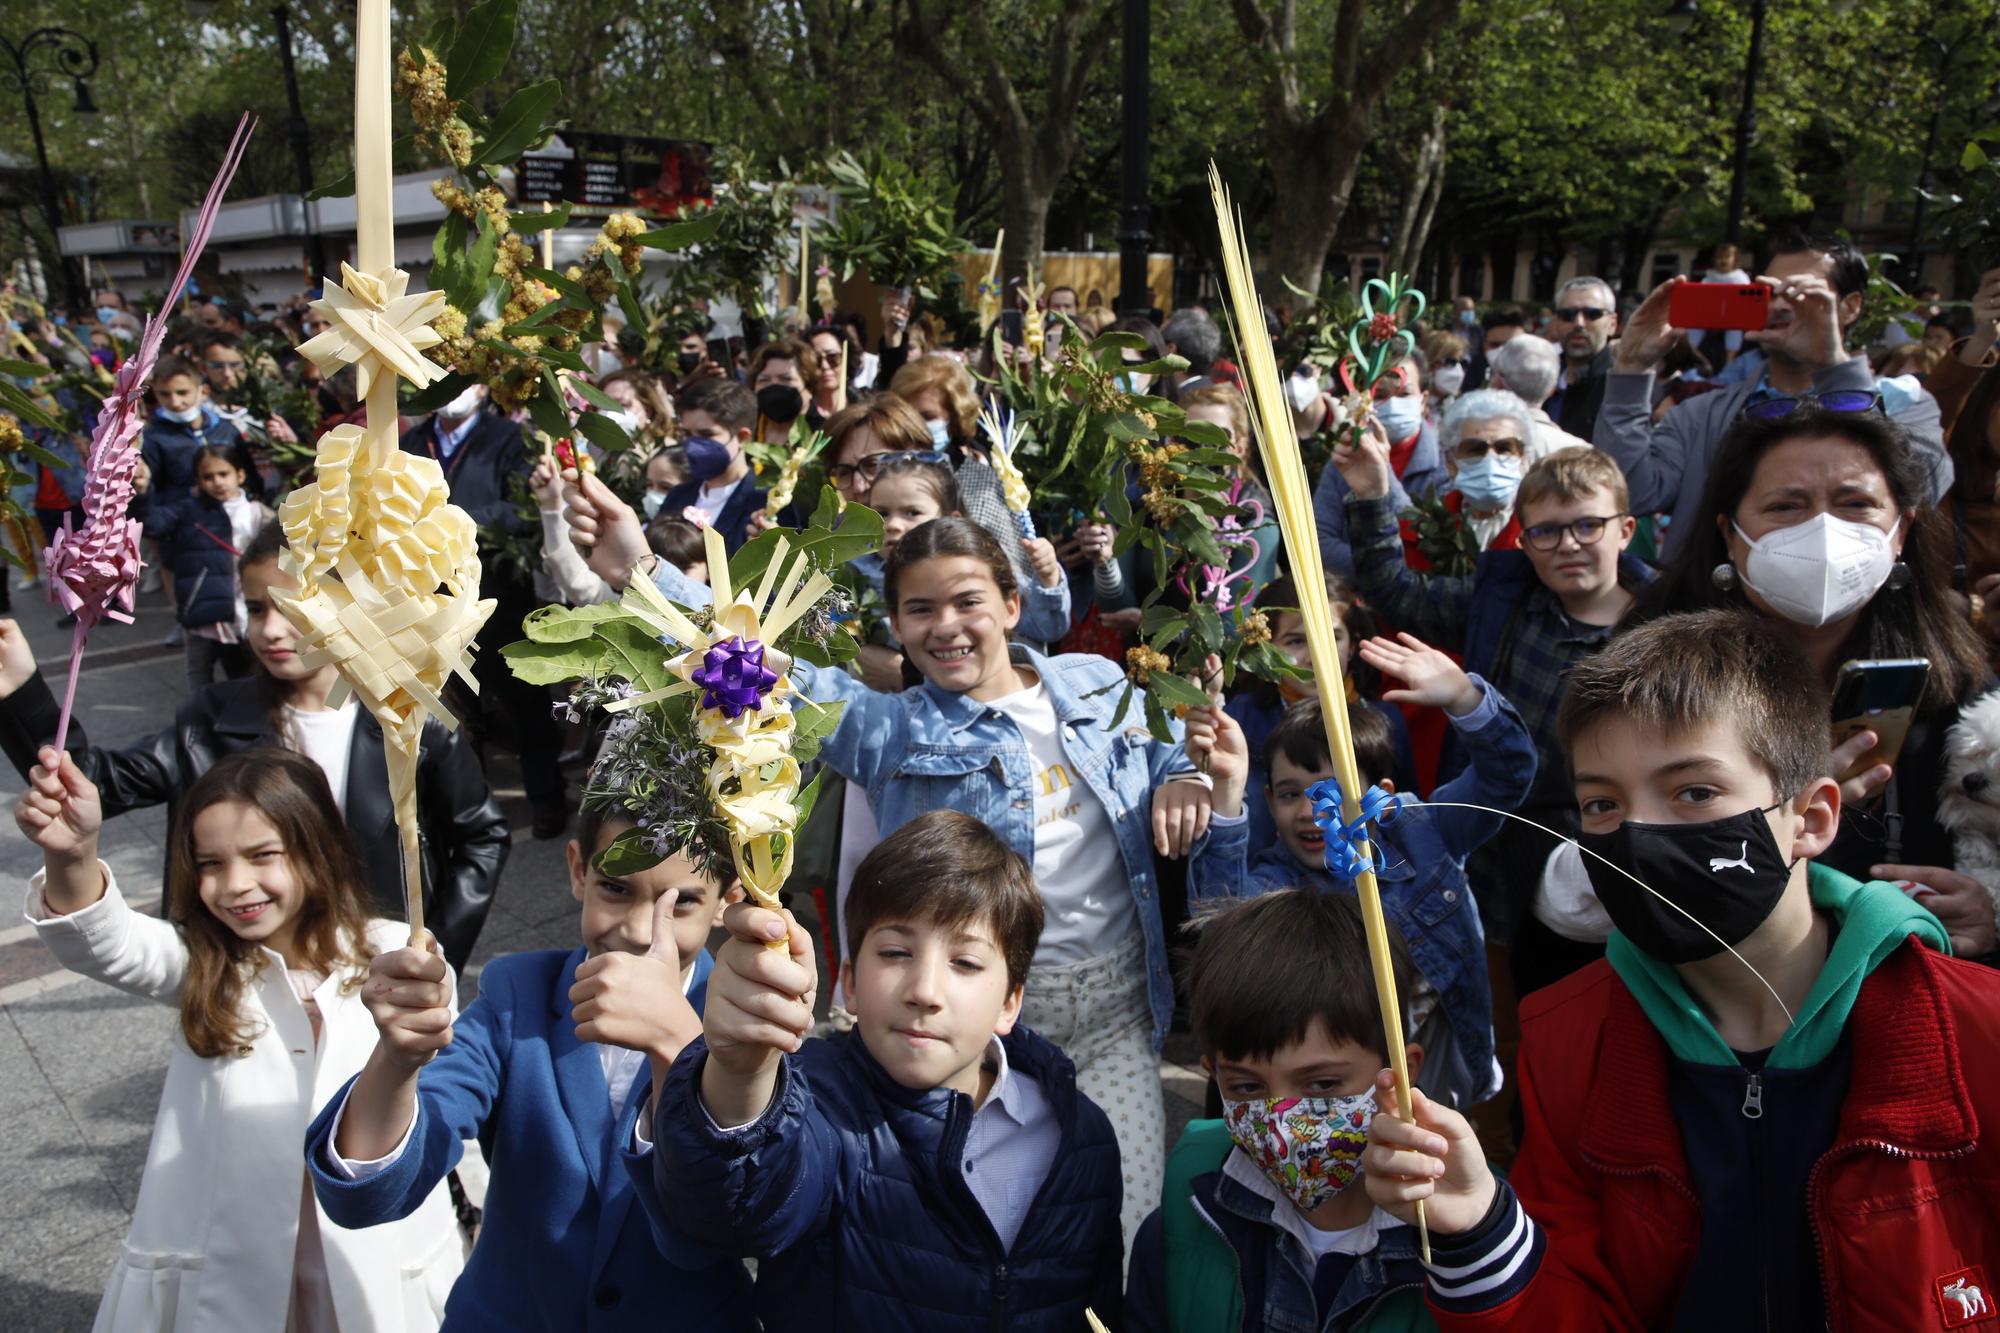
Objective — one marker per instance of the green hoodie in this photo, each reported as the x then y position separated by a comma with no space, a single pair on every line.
1870,920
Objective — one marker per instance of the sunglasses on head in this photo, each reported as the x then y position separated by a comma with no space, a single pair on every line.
1839,400
1578,314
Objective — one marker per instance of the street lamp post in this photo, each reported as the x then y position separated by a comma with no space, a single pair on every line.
301,140
1680,18
1136,76
63,55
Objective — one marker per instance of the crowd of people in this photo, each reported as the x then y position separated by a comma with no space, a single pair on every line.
1669,660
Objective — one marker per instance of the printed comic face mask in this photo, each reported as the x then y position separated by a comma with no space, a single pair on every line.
1309,1147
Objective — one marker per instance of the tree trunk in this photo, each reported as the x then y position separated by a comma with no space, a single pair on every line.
1315,178
1420,197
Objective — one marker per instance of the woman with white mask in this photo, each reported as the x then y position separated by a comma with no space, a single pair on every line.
1415,462
1817,518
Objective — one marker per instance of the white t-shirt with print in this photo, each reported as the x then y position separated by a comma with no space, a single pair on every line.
1086,901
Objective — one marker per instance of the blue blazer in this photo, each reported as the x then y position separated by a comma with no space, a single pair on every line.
734,520
561,1246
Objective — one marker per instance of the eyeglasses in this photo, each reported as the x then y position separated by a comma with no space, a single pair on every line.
1587,531
1474,447
869,468
1840,400
223,365
1578,314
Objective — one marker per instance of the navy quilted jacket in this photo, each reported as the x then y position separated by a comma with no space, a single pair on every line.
849,1190
196,539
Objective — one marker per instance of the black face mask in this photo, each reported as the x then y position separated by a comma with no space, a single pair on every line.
780,403
1727,873
687,361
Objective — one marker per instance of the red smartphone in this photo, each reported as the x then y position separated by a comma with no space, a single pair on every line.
1719,305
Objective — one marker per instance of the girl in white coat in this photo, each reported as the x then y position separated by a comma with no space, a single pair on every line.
265,957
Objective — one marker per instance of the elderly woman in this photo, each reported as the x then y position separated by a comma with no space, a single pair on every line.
1488,442
1819,521
1529,372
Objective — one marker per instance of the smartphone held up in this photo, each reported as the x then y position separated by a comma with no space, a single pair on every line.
1720,305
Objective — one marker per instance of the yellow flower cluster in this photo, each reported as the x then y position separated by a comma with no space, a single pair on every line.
11,439
1256,629
1142,662
436,114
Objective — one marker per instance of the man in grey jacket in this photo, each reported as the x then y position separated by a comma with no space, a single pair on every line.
1816,291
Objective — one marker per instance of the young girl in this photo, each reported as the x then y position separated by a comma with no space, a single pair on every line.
204,538
265,955
1025,743
283,703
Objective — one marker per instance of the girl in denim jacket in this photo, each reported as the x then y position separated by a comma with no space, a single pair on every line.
1024,743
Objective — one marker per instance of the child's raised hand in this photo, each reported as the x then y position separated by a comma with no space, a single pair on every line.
1180,816
1432,678
408,994
546,482
60,811
1436,1161
1042,559
635,1000
760,999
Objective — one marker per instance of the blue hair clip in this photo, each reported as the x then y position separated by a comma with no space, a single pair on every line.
1343,840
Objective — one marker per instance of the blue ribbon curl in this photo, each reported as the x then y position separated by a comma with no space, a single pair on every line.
1344,858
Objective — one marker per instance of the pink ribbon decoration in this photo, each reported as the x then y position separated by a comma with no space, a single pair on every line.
94,570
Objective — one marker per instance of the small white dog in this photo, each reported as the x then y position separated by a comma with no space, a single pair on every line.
1969,799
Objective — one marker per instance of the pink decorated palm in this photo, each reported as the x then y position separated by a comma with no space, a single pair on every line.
94,569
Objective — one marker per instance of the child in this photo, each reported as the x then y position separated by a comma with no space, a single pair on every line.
466,838
269,942
1025,743
680,544
937,1166
1259,1224
181,424
1258,705
1521,620
207,537
549,1069
1421,852
717,418
1800,1127
663,473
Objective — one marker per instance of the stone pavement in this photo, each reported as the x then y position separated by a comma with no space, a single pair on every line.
81,1065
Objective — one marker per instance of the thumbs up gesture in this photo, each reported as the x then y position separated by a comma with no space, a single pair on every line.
634,1000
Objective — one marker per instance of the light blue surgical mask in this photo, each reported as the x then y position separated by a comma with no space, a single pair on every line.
107,314
940,430
1401,417
187,416
1489,481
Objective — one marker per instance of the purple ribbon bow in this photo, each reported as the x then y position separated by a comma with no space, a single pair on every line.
733,677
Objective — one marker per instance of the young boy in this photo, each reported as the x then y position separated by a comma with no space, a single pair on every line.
182,422
935,1167
718,417
548,1068
1260,1224
1789,1132
1421,851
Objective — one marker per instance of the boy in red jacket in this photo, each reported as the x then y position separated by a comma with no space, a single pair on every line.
1763,1109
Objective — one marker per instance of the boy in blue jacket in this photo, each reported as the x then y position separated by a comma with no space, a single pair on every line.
549,1068
182,422
934,1168
1262,1224
1421,849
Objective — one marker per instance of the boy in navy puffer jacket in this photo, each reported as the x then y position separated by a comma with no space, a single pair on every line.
936,1167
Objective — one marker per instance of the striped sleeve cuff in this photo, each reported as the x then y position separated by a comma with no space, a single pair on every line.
1491,1264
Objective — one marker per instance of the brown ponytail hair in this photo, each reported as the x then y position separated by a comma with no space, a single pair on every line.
945,537
290,791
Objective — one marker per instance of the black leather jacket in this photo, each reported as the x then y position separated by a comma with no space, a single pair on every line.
465,837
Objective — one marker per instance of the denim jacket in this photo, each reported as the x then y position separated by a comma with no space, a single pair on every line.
1423,883
930,749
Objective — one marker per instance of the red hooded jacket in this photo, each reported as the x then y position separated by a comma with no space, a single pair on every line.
1905,1207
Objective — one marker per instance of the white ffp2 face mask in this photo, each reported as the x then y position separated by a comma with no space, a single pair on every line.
1819,571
